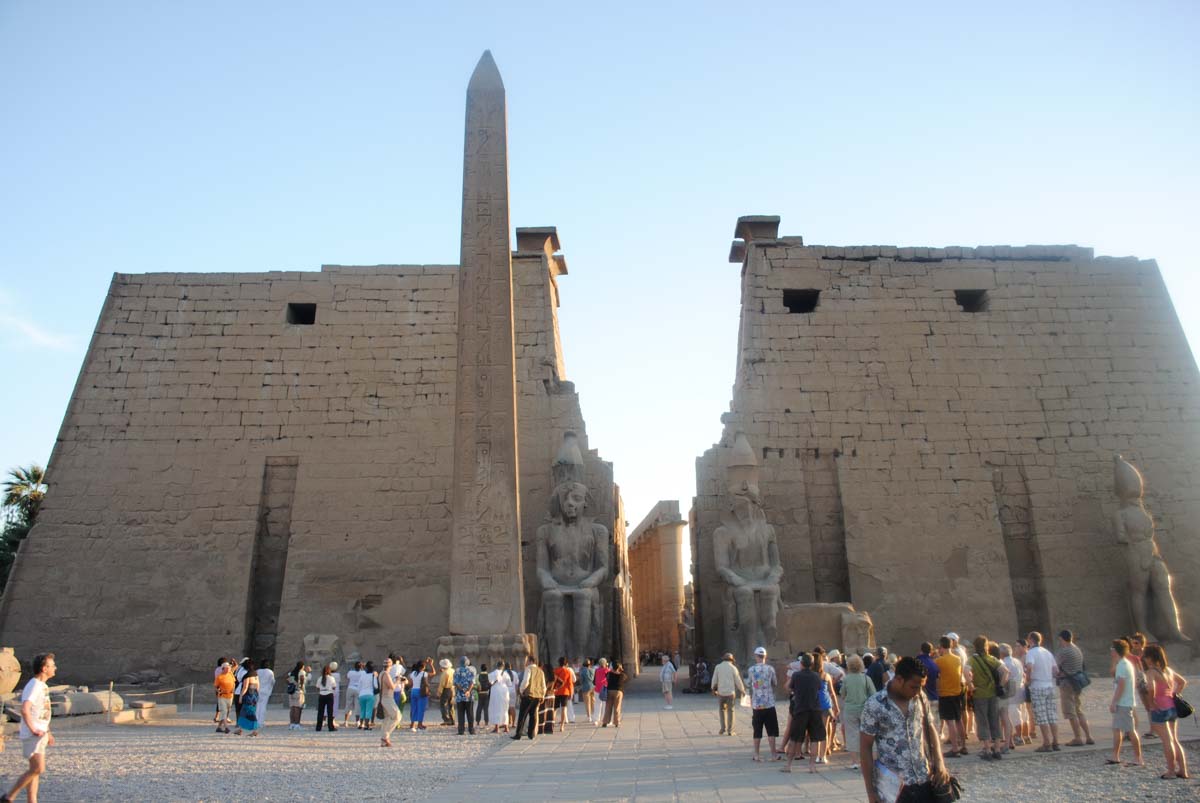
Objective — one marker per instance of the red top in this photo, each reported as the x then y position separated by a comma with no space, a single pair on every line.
564,682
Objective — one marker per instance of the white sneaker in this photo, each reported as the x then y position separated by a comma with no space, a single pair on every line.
667,707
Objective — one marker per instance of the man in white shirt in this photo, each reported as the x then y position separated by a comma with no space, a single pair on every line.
727,685
667,677
35,725
1039,674
266,685
353,678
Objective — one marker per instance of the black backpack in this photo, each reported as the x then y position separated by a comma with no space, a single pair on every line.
485,683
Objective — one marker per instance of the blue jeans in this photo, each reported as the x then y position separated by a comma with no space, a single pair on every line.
419,703
366,707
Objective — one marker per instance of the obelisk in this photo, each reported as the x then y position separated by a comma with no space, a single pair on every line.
486,597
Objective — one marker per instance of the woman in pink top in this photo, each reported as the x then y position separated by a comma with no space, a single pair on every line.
1164,685
601,684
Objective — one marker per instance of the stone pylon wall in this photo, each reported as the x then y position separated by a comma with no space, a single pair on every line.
547,407
193,385
967,455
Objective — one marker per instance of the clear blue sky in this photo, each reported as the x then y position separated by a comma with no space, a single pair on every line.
224,136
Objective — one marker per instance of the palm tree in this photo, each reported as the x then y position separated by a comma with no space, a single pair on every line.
23,492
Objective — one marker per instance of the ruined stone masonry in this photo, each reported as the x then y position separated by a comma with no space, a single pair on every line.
936,427
249,459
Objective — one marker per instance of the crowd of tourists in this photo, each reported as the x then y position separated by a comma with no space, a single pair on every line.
528,699
901,718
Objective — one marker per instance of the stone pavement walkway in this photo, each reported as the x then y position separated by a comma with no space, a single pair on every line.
655,755
659,755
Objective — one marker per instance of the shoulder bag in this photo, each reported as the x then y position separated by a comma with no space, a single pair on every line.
1183,709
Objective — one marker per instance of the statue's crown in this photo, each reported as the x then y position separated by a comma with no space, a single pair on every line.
1127,479
568,464
741,466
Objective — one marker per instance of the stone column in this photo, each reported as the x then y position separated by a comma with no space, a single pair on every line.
670,545
486,598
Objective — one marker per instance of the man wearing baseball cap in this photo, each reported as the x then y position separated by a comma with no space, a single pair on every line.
762,700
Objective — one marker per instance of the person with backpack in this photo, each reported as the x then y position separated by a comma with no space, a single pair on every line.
483,696
419,698
296,681
1072,679
1165,684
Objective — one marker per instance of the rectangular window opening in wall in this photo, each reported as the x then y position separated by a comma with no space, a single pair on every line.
972,300
302,314
801,300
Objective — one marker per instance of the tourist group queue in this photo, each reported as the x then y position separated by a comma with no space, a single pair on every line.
532,698
902,718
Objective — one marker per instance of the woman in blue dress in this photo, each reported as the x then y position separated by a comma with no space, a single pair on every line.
248,717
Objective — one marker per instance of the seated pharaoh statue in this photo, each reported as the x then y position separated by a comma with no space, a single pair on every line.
746,555
572,562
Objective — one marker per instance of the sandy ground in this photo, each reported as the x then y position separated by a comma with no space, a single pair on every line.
183,759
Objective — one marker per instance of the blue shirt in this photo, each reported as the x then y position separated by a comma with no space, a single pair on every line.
931,675
464,683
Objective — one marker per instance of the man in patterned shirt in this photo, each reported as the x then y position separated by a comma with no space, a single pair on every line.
897,724
762,700
464,688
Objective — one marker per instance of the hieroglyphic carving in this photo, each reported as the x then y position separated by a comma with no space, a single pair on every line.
485,575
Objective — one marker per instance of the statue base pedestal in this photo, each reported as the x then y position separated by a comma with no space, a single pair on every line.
488,649
830,624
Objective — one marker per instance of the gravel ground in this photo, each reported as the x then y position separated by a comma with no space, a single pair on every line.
1081,776
183,759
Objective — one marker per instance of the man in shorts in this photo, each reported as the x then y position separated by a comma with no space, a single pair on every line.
1070,665
807,717
667,676
950,692
1122,704
35,727
1039,675
762,700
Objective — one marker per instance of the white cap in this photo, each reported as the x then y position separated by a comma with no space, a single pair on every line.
834,653
760,650
952,636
